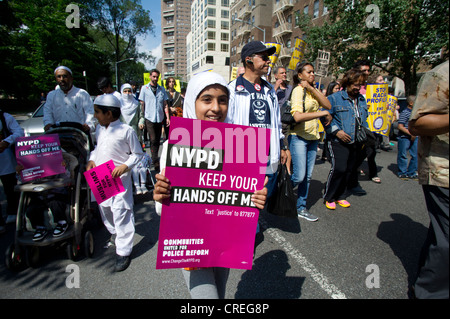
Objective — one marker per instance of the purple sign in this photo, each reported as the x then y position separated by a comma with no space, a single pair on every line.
41,156
102,184
210,220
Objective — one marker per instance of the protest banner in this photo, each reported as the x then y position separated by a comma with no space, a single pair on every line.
377,105
210,220
322,63
297,55
390,116
102,184
274,57
40,155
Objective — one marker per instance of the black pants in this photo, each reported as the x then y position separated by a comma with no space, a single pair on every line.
154,136
433,280
343,160
12,198
56,203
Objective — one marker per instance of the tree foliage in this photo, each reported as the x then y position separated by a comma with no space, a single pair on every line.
398,36
35,39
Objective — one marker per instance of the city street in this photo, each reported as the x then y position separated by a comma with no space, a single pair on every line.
367,251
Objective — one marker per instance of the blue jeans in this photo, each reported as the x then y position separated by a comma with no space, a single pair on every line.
404,146
303,159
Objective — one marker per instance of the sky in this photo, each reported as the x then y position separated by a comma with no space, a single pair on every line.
152,42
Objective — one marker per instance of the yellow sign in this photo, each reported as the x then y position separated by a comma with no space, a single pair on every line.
297,55
233,73
392,107
377,105
274,57
146,78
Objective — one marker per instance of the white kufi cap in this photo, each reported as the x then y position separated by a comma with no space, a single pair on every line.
108,100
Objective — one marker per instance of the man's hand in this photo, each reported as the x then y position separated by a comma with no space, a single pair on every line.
47,127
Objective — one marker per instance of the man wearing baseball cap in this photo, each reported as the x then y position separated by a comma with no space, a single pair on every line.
253,102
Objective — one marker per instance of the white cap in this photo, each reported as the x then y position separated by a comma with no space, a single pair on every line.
107,100
62,67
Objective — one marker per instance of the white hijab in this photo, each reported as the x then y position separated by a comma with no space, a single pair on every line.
129,104
195,86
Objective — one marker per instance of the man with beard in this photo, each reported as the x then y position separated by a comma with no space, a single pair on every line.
68,103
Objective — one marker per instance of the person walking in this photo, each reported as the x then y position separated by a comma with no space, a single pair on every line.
118,142
153,99
253,102
67,103
430,121
348,107
10,130
406,143
207,98
304,136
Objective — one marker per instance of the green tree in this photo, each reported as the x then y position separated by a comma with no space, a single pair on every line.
120,23
398,36
38,41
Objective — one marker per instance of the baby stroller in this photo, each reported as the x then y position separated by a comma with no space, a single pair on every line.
24,249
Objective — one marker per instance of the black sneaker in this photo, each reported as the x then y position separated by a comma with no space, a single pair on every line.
358,191
122,263
60,229
403,177
40,233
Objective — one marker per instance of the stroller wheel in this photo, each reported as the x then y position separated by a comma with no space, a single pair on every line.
32,256
72,250
13,259
88,244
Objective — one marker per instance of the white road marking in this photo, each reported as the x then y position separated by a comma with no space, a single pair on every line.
322,280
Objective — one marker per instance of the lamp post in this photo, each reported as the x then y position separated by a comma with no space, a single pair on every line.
263,30
117,76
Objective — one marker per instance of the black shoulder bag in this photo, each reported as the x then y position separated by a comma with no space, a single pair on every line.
286,116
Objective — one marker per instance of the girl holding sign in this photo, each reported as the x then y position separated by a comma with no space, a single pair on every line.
207,99
117,142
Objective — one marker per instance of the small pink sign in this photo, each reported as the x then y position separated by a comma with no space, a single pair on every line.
102,184
41,156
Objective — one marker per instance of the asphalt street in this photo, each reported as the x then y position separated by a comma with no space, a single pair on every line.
367,251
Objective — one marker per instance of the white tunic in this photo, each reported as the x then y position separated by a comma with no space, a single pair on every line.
119,143
75,106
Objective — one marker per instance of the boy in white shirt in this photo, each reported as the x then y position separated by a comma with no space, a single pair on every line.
118,142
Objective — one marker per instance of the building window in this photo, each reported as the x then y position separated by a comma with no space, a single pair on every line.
211,47
209,59
306,10
211,35
225,25
316,9
224,37
224,47
225,14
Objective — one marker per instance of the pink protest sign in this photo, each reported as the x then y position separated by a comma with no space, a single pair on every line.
41,156
210,220
102,184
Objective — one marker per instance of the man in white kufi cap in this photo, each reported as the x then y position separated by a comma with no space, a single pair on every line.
67,103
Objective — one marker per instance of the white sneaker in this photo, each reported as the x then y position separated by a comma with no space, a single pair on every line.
144,190
138,190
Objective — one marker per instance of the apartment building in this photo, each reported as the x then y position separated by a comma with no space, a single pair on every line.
175,25
284,21
250,21
209,39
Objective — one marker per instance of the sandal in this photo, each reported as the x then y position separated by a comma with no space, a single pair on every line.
376,180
